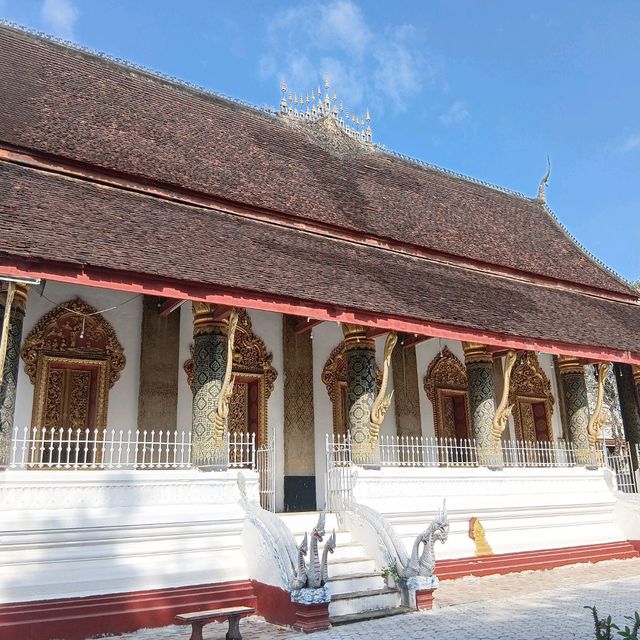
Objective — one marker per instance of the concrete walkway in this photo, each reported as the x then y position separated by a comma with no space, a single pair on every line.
536,605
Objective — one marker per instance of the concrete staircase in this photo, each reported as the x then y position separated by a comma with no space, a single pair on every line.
358,591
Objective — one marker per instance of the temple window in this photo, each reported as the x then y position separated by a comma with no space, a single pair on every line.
445,384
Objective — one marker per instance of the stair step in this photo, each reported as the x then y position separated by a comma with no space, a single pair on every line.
368,615
362,594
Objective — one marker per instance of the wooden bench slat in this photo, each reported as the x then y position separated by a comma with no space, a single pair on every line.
214,613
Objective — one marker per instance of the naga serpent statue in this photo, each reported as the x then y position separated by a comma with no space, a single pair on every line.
381,403
300,580
424,564
314,575
221,417
503,410
597,420
329,547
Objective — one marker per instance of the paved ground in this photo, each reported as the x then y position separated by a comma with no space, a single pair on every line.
539,605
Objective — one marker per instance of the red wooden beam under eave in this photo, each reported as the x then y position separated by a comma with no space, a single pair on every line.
412,341
170,305
307,325
374,333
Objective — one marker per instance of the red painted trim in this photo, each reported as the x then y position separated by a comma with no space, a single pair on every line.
174,193
274,604
534,560
307,325
412,342
312,617
80,618
141,283
170,305
635,544
424,599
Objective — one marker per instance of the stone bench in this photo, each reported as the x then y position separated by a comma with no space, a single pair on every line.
198,619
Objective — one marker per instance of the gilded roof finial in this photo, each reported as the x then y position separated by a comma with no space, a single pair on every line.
543,183
317,107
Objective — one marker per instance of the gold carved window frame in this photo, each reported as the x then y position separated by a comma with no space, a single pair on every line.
42,348
334,377
252,361
446,376
530,384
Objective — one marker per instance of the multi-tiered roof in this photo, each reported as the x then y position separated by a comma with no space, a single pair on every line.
119,170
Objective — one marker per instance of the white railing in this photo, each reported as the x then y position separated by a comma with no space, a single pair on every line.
621,465
339,476
37,448
265,466
521,453
414,451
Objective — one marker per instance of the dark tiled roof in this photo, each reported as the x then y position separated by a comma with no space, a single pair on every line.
72,104
50,217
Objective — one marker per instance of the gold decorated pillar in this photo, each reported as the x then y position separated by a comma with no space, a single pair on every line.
13,304
360,352
574,390
212,384
481,386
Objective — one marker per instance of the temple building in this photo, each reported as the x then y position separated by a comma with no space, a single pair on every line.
212,313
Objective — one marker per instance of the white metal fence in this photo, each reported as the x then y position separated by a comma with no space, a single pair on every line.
339,477
36,448
621,464
413,451
265,461
403,451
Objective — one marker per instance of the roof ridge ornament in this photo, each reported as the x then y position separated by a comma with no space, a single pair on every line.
314,107
543,183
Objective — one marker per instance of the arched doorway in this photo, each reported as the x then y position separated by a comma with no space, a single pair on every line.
73,357
532,400
254,379
334,377
445,384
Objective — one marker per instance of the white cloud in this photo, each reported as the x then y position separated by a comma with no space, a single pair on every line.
632,143
456,114
59,17
367,67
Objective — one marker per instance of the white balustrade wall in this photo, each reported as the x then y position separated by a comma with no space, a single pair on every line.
73,533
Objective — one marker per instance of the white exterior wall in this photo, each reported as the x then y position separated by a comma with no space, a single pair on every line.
70,534
268,327
425,352
520,509
126,320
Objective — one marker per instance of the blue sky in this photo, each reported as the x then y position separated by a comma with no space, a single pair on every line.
484,87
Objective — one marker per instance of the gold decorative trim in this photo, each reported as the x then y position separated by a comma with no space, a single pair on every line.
446,376
334,377
475,352
597,420
504,408
74,330
382,402
41,386
251,361
530,383
570,364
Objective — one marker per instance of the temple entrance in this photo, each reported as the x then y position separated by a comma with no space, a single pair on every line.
67,403
530,394
73,358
